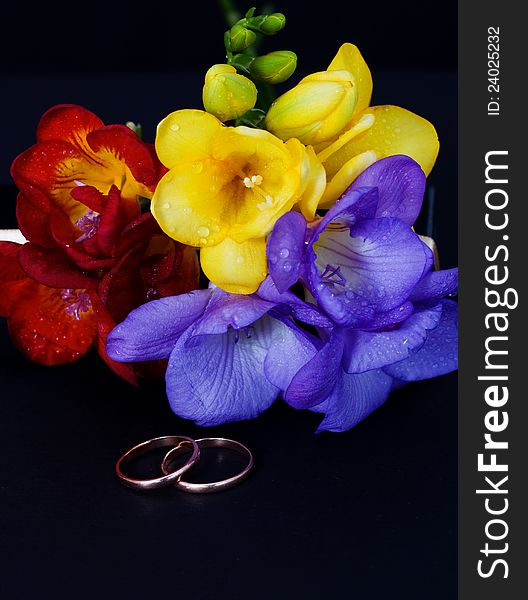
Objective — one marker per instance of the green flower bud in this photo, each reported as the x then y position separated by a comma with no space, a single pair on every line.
267,24
226,94
274,67
241,38
273,23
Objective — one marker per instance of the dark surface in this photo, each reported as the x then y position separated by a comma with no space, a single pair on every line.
371,513
115,35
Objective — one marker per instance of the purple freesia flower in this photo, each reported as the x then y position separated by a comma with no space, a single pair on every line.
219,347
372,274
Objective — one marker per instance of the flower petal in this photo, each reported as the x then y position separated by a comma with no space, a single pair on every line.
188,203
288,304
373,267
349,58
220,378
235,268
151,331
288,354
367,350
395,131
315,184
315,379
52,268
67,122
436,284
401,184
33,222
354,398
340,182
438,355
285,250
51,326
230,311
185,135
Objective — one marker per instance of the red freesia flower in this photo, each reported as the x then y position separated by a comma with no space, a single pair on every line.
92,256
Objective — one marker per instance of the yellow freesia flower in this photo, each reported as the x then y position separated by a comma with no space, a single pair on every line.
369,134
226,94
373,133
225,189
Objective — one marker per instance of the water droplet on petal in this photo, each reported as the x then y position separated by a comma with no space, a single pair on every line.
239,260
175,127
197,167
284,253
166,205
203,231
287,267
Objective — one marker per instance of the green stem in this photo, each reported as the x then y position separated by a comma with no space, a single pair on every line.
231,14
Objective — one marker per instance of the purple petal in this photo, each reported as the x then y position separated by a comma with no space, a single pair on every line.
355,204
290,304
220,378
435,285
390,318
285,250
289,352
315,379
151,331
226,311
438,355
371,268
366,350
401,185
353,398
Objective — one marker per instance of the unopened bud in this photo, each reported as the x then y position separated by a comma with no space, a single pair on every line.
268,24
274,67
316,109
227,94
241,38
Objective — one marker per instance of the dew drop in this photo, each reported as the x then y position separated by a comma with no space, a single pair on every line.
166,205
287,267
284,253
203,242
197,167
187,210
239,260
203,231
175,127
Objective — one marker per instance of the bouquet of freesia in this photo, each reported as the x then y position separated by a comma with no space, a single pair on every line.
260,248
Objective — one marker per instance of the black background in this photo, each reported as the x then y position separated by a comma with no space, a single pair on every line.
368,513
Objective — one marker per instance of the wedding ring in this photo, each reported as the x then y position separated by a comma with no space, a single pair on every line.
169,478
213,486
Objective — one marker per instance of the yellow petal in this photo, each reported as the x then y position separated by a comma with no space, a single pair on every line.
395,131
345,176
188,203
359,124
236,268
349,58
315,183
185,135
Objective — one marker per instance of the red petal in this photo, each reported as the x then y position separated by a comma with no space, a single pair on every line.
33,222
90,197
42,329
137,232
113,220
39,166
67,122
122,142
51,267
122,289
11,276
105,325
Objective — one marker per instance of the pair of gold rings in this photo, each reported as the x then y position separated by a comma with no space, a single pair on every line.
180,444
